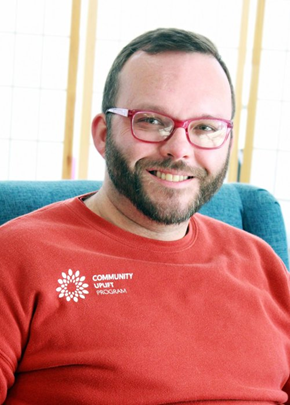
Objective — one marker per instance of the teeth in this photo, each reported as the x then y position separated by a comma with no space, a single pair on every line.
170,177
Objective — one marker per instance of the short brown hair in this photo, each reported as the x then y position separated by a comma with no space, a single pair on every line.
158,41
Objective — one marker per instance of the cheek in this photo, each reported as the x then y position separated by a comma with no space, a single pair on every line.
121,134
138,151
132,149
123,141
212,160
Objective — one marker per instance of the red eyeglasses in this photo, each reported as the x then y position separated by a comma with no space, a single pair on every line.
153,127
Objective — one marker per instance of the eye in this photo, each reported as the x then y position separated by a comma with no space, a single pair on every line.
149,120
204,128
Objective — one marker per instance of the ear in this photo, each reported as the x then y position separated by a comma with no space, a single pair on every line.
99,133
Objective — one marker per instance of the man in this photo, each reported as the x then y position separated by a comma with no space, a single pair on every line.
126,296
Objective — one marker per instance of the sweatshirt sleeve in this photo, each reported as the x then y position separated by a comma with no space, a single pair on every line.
286,388
9,336
16,309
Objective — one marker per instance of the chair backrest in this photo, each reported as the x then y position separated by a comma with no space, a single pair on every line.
241,205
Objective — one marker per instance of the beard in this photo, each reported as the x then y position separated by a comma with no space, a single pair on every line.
167,210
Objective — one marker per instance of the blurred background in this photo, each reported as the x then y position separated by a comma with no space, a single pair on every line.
55,55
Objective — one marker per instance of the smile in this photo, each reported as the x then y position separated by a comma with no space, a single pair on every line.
170,177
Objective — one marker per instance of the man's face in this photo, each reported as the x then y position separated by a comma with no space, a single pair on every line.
169,181
129,183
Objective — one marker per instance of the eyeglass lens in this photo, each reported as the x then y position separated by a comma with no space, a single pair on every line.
154,127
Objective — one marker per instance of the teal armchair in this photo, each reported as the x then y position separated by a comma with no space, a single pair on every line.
241,205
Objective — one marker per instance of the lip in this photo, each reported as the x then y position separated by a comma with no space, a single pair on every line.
172,177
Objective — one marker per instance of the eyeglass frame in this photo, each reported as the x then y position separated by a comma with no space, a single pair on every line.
124,112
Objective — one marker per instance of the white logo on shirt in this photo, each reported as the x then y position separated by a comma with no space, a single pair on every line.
72,286
105,283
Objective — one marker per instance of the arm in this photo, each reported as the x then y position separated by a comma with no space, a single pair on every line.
16,310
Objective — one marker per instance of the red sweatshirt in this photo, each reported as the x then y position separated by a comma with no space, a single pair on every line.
91,314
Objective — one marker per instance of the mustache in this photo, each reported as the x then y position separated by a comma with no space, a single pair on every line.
173,165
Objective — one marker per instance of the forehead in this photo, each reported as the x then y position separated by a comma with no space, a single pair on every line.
177,80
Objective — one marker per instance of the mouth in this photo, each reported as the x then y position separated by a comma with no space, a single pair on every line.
176,178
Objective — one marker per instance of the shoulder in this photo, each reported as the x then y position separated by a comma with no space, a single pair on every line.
214,227
27,231
34,218
226,239
242,256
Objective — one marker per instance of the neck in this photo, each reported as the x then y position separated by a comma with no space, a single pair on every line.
127,217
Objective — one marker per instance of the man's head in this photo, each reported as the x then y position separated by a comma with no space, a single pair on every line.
179,75
159,41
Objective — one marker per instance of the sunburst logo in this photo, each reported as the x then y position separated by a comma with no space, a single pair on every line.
72,286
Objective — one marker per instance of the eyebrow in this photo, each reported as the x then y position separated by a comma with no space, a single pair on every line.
154,108
151,107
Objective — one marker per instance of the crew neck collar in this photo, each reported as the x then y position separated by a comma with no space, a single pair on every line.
128,238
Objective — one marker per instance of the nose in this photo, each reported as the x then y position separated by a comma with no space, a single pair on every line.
177,146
